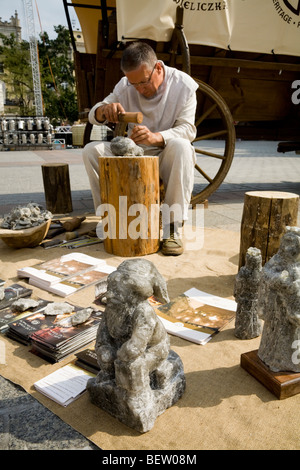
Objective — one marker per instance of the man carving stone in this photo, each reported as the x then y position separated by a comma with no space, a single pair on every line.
167,99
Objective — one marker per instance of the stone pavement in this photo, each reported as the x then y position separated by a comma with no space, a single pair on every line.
256,166
25,424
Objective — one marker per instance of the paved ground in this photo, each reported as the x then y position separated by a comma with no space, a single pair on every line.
25,424
256,166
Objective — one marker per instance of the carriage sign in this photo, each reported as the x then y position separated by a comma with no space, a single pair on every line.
268,26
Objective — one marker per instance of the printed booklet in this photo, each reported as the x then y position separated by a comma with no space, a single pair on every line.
64,385
12,293
53,337
11,314
66,275
195,315
59,341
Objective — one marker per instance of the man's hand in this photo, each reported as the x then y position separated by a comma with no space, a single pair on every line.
142,135
109,112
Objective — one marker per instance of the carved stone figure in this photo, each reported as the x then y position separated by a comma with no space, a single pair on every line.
279,306
247,323
122,146
140,376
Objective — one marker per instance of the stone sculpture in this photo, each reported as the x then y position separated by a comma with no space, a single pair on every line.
247,323
123,146
279,306
140,377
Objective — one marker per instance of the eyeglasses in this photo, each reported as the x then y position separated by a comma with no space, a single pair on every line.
145,83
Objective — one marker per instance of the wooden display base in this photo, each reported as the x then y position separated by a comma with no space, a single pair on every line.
281,384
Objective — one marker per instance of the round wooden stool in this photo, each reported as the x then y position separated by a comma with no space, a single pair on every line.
57,187
129,190
265,216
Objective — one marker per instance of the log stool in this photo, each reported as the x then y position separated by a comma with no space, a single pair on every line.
57,187
129,190
265,216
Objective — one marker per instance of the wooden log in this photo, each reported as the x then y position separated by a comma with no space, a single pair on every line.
265,216
129,190
57,187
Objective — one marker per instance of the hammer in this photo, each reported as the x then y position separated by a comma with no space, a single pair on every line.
124,119
68,226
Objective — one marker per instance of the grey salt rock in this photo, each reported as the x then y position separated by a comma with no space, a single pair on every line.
124,146
247,323
140,377
279,306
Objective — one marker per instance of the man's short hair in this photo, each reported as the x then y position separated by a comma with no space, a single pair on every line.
137,54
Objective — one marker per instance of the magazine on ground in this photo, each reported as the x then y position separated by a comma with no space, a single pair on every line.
12,293
69,273
87,359
11,314
65,384
21,330
195,315
59,341
58,269
79,281
54,337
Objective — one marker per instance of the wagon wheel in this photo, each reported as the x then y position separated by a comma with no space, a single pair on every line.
214,124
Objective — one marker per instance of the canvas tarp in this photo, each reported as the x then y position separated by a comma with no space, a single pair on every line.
88,19
269,26
223,407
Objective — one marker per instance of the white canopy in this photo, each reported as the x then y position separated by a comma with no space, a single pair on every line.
263,26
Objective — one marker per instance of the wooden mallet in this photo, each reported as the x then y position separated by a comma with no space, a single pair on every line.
124,119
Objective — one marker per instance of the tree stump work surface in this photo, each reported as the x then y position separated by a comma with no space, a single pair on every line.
129,190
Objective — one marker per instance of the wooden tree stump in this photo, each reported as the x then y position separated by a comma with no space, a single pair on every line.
129,190
265,216
57,187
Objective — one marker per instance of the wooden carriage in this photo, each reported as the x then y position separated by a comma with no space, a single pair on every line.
243,94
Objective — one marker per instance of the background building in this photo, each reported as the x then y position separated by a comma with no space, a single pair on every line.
11,27
80,46
7,28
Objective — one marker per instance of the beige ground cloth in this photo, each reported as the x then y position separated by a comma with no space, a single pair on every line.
223,406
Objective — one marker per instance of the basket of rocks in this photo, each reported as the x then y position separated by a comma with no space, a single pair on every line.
25,226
